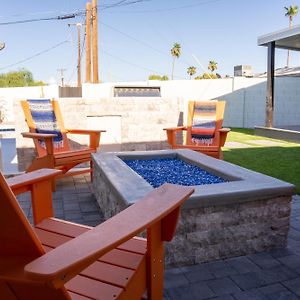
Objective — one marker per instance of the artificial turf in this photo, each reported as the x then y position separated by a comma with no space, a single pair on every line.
282,162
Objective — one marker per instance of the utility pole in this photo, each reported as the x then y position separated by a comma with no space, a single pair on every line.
95,41
78,25
61,71
88,42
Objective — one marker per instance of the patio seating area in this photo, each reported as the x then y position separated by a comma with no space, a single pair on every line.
268,275
149,186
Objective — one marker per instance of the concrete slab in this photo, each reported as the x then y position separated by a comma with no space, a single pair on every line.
266,143
236,145
277,133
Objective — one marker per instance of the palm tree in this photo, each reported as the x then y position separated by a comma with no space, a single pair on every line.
212,66
191,71
176,52
290,12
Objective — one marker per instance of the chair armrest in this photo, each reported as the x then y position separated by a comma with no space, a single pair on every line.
25,182
34,135
94,136
171,134
66,261
83,131
224,130
179,128
47,137
223,135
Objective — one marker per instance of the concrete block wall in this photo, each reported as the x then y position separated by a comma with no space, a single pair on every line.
137,123
141,122
245,97
287,101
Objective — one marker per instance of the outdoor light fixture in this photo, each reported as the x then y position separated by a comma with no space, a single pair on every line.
2,45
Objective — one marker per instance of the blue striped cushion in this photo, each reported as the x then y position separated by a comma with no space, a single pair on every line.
45,120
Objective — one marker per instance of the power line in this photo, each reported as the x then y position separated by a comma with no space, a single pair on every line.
124,3
133,64
133,38
170,8
62,17
143,43
129,63
80,12
35,55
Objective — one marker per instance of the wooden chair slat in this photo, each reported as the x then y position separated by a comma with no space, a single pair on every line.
137,245
62,227
75,296
123,259
117,257
108,273
93,288
51,239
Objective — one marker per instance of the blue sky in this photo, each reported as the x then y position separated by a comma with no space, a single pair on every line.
135,40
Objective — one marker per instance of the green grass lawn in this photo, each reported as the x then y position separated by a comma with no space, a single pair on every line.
282,162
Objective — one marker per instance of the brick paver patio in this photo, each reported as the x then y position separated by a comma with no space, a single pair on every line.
265,276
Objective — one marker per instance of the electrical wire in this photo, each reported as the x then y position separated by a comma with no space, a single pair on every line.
133,64
35,55
128,63
133,38
80,12
62,17
124,3
184,62
170,8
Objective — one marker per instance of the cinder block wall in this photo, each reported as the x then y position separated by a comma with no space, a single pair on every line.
139,122
141,126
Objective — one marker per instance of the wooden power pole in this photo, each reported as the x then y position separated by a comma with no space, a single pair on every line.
88,42
95,41
78,25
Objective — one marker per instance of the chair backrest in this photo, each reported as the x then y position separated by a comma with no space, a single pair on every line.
18,246
204,118
43,116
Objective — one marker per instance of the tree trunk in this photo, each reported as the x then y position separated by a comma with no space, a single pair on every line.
173,68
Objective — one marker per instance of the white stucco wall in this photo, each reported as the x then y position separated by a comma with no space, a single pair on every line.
245,97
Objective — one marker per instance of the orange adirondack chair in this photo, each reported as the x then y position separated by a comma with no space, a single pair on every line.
204,132
59,260
47,130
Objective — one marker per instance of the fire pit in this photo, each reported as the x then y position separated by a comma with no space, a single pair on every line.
236,212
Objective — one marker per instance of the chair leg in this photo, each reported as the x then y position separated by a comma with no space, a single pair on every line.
92,170
221,156
53,184
155,262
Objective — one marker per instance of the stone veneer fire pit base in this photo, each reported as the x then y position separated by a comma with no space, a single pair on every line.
248,214
217,232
